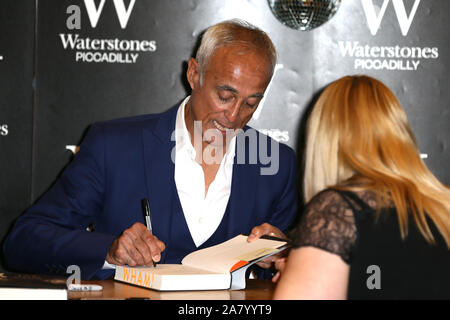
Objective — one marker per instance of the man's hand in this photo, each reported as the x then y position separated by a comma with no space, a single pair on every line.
267,229
135,247
280,264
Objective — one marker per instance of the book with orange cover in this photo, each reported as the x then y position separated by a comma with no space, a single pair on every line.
222,266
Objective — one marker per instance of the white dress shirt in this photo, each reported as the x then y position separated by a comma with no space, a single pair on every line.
203,213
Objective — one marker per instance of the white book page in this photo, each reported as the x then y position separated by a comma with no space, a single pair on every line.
222,257
174,270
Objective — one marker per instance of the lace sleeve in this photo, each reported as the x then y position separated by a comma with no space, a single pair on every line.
327,223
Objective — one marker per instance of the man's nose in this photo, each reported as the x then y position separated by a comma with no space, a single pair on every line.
233,112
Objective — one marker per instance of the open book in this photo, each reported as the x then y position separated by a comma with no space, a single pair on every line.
222,266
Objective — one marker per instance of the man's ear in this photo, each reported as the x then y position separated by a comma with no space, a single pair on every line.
193,74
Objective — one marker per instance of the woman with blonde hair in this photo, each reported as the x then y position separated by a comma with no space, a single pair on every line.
377,222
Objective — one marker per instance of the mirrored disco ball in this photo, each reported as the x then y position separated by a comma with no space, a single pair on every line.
304,14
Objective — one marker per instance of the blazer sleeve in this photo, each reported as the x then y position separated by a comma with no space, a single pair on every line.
52,234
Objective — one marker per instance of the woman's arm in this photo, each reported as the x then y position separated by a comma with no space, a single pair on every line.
313,274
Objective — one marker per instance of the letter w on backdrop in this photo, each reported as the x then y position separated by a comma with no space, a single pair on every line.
123,13
374,19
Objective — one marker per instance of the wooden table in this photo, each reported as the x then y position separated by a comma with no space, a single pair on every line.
114,290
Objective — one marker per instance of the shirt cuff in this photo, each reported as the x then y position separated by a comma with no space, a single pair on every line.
107,265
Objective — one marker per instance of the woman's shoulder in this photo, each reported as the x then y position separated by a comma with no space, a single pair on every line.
332,198
327,223
357,199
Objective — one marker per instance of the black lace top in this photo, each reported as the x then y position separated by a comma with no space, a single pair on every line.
328,222
345,223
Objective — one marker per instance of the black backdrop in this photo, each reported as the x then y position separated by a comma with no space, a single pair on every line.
50,92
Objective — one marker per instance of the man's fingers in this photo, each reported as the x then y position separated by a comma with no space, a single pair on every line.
264,264
265,229
154,249
280,264
136,246
134,256
154,245
276,277
118,254
267,262
143,248
161,245
147,244
125,248
257,232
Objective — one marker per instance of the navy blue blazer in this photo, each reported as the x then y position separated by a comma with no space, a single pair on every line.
119,163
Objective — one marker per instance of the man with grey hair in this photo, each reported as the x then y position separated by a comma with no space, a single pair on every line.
183,161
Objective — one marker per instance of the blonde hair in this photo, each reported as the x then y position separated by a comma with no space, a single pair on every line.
234,32
358,138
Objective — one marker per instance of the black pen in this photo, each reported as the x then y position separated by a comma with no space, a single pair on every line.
147,217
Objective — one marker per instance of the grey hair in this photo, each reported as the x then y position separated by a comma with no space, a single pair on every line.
233,32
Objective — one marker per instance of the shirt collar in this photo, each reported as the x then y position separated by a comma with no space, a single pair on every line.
182,137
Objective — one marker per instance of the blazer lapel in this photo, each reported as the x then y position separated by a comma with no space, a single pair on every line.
159,172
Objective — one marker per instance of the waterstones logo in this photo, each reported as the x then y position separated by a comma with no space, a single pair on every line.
399,58
100,50
386,57
105,50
